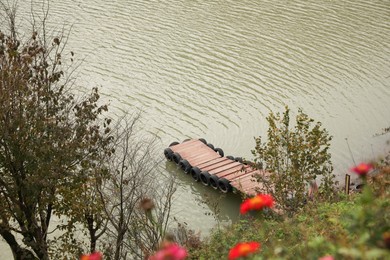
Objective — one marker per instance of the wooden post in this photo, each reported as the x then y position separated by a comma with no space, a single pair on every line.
347,183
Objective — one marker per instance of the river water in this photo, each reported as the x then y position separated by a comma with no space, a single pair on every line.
215,69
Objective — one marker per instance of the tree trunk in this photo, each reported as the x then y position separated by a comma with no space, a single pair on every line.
92,232
18,252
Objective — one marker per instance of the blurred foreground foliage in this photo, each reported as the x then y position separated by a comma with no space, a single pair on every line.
355,226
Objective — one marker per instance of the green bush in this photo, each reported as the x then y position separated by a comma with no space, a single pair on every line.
297,156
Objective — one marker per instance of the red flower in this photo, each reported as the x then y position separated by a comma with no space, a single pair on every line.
327,257
362,169
171,251
243,249
93,256
258,202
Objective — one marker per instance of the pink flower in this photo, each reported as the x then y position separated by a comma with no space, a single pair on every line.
93,256
171,251
362,169
327,257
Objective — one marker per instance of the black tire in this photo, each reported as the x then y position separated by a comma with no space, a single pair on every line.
204,178
202,140
210,145
195,173
188,169
174,143
224,185
185,165
186,140
230,157
238,159
213,181
176,158
168,153
219,151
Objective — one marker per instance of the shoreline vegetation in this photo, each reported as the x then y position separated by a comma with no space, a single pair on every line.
61,156
355,226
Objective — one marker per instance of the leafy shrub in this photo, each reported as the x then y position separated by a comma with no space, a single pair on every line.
297,157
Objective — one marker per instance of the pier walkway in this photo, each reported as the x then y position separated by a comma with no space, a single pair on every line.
208,165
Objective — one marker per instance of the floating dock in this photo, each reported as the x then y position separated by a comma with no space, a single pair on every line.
208,165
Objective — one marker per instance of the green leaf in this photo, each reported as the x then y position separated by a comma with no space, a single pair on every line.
351,252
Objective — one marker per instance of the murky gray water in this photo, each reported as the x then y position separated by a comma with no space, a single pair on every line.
215,69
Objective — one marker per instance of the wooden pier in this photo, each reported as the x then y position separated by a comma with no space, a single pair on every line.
208,165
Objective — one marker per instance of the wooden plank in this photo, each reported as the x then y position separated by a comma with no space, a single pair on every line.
204,156
247,183
203,153
245,178
255,188
249,171
229,172
246,186
233,170
195,161
191,146
253,185
227,167
202,161
249,186
196,148
199,151
243,181
217,165
212,161
184,144
195,152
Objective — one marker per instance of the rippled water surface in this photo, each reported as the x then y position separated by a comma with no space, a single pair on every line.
215,69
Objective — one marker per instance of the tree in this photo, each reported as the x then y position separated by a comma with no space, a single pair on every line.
51,141
297,157
137,197
83,217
